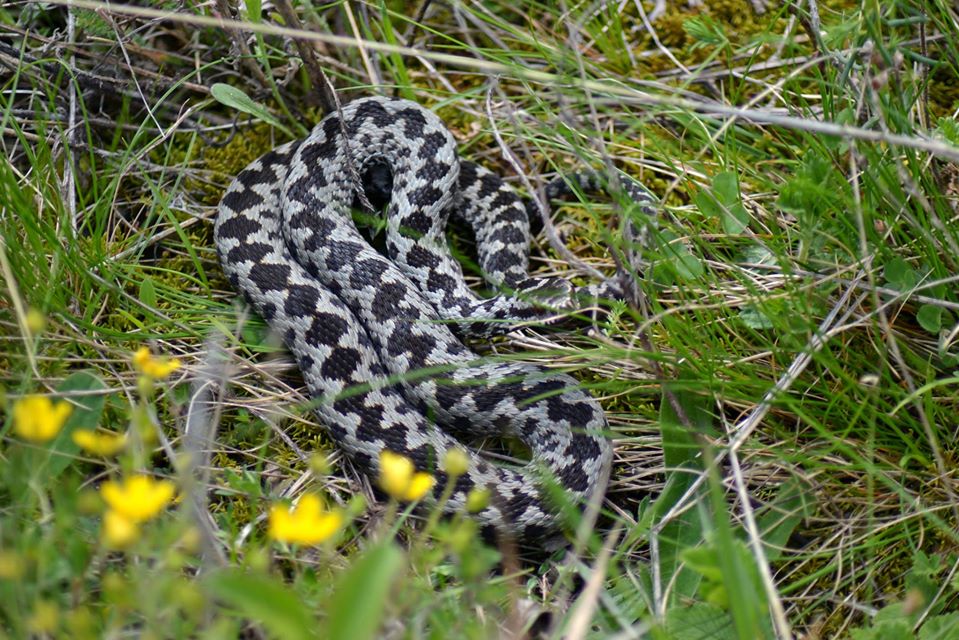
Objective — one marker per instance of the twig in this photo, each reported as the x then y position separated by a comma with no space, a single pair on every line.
361,45
126,57
246,56
13,58
647,22
417,19
811,23
351,167
308,55
783,632
69,179
659,8
198,435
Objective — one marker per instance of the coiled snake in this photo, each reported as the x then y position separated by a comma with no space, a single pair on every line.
377,337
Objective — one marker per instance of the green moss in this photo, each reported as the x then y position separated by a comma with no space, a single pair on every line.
943,92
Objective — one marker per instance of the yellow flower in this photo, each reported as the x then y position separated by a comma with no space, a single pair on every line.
36,322
306,523
138,498
99,443
399,478
38,419
118,530
456,462
45,618
11,566
153,367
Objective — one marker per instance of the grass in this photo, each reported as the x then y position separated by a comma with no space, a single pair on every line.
783,399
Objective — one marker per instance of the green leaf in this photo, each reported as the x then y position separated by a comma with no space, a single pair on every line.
148,293
923,580
87,409
699,622
893,613
681,453
265,600
943,627
679,445
359,601
948,128
254,10
717,587
900,275
702,560
678,262
705,31
885,630
757,254
726,188
687,266
780,518
235,98
929,318
813,191
754,318
245,483
722,201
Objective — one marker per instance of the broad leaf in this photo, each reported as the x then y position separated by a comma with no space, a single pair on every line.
263,599
357,607
232,97
84,389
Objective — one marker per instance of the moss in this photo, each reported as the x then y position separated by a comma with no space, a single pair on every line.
943,92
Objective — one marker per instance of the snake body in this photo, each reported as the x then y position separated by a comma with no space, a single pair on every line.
378,338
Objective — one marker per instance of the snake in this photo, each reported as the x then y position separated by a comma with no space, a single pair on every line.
381,338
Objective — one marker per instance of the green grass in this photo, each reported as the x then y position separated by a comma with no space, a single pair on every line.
783,400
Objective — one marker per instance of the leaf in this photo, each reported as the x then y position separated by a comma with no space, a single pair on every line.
758,254
235,98
900,275
678,262
781,517
885,630
263,599
359,601
254,10
814,190
87,409
942,627
148,293
681,453
702,560
699,622
754,318
679,445
687,266
718,587
725,187
929,318
722,201
704,31
948,128
922,580
926,565
245,483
